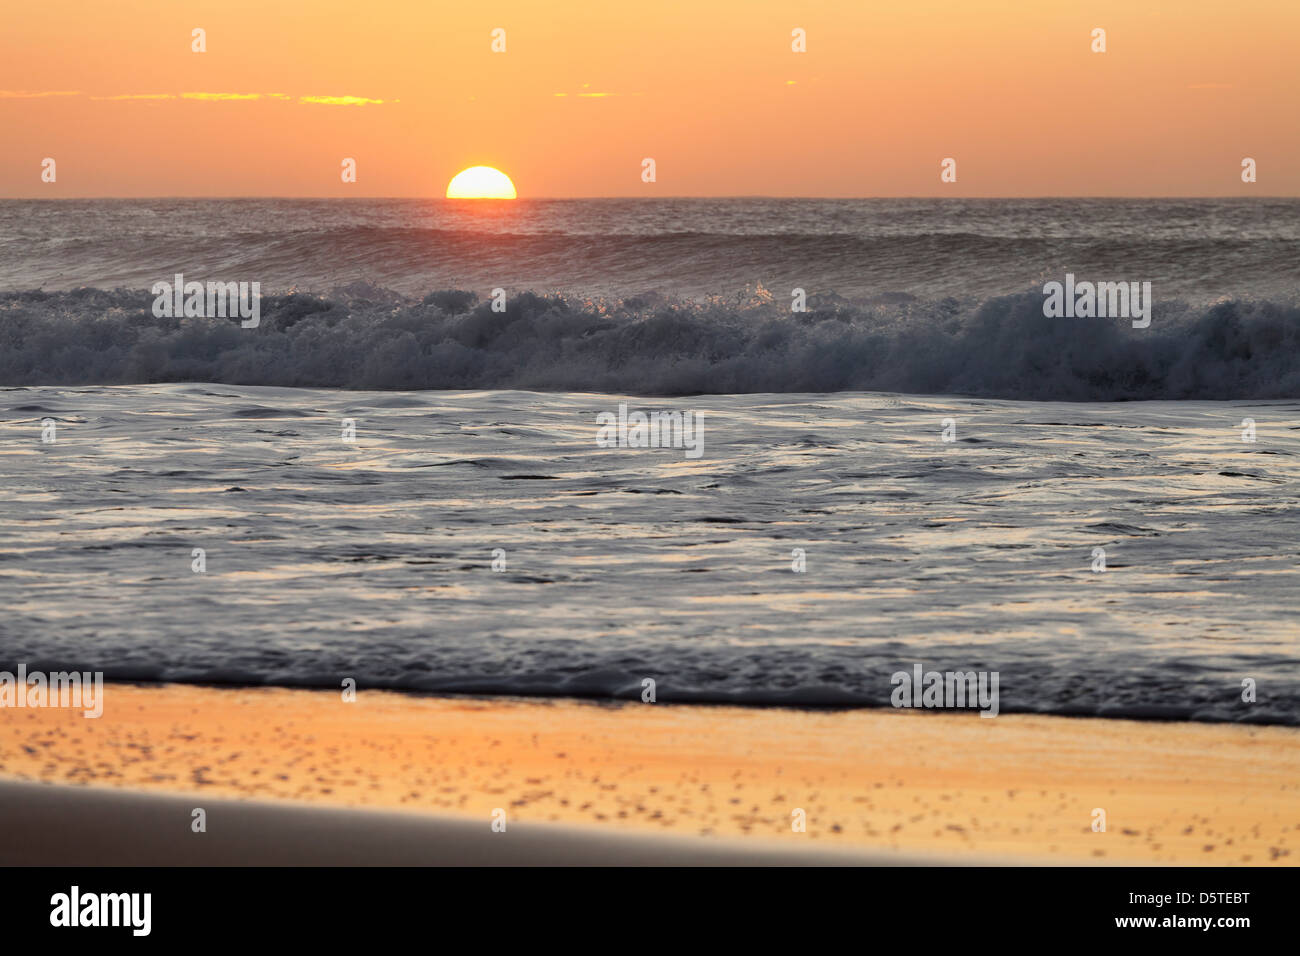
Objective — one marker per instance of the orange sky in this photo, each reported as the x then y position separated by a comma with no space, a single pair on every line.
709,88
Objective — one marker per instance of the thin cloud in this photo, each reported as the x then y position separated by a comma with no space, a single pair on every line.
343,101
137,96
593,95
32,95
204,97
586,92
210,97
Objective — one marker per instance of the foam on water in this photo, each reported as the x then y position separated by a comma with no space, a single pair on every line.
328,560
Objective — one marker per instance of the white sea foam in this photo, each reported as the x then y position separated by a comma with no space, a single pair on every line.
373,558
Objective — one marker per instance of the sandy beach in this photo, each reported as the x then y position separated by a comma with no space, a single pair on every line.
277,771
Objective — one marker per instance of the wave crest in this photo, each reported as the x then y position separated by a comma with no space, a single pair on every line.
365,337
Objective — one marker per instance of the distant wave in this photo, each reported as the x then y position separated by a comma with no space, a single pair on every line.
679,261
362,336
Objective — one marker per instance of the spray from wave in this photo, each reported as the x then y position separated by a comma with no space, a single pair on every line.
364,337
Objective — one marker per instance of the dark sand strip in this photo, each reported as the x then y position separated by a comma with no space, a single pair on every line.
48,825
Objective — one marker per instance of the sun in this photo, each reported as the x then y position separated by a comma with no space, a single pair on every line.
480,182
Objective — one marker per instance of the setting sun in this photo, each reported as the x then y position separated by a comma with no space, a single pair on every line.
480,182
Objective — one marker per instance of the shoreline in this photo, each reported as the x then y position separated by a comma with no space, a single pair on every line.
602,699
609,782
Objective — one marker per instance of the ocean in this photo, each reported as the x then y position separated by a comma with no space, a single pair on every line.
389,481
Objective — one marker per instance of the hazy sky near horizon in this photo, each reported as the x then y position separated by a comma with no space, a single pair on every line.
711,90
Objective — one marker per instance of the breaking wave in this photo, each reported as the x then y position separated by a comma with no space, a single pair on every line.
364,337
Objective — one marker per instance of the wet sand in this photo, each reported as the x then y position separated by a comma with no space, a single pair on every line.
883,785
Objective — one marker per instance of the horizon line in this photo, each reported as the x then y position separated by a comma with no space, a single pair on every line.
642,197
